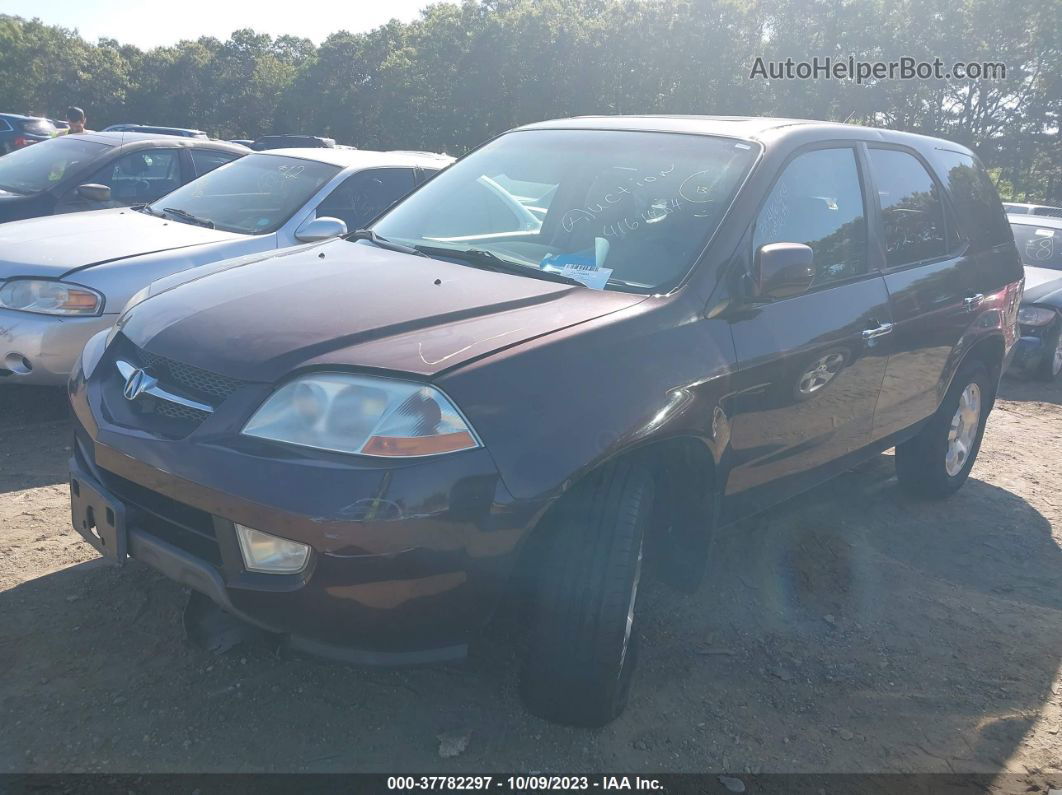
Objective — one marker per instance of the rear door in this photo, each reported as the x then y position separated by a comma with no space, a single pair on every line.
809,367
931,271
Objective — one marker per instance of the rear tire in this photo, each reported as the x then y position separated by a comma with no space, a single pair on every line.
1051,363
583,639
937,461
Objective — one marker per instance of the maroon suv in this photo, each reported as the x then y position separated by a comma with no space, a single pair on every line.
586,339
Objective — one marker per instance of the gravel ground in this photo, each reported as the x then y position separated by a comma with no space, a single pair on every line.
851,630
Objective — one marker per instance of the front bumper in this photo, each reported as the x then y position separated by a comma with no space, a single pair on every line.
1029,350
43,349
409,559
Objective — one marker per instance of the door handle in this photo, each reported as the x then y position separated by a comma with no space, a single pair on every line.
878,331
973,301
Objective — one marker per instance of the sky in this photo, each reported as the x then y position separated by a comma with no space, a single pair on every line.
149,24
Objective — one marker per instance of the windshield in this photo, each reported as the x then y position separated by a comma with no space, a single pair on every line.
612,209
1039,246
254,195
38,167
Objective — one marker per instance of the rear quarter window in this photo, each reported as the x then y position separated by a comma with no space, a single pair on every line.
980,213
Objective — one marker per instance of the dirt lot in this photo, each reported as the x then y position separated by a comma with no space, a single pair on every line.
851,630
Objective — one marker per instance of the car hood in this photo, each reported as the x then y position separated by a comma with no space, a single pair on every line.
351,304
1043,286
58,245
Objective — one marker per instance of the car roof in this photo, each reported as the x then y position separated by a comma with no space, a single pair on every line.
755,128
153,127
1051,221
22,117
362,158
118,138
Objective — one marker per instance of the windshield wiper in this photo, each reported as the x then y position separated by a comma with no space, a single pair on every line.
187,216
488,260
382,242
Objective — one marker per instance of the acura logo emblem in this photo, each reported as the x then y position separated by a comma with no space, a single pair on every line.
137,383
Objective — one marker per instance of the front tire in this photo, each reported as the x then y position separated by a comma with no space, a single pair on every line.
582,650
1051,362
937,461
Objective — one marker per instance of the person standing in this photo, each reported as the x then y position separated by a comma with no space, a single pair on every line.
75,117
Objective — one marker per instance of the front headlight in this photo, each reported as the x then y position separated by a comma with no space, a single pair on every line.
49,297
365,415
1035,316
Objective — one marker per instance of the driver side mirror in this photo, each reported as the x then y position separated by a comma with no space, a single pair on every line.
94,193
783,270
314,229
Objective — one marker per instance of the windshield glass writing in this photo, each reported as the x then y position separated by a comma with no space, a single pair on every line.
613,209
254,195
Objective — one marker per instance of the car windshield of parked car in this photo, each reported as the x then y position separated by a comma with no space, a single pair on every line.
1039,246
36,168
613,209
254,195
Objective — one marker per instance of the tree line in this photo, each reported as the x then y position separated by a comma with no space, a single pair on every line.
460,74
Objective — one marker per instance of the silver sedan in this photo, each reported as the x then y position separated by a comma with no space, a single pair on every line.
63,278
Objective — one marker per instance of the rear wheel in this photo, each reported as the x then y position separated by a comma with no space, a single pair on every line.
937,461
583,640
1051,362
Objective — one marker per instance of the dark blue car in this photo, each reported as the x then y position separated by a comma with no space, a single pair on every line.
17,131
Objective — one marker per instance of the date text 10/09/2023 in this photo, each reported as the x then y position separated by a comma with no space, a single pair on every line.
522,783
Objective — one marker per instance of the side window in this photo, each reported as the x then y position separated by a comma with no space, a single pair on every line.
912,215
976,202
818,201
141,176
206,160
365,195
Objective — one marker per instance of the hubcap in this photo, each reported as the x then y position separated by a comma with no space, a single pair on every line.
963,429
1056,365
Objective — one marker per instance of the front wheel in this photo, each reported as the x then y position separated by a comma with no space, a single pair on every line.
582,637
937,461
1051,362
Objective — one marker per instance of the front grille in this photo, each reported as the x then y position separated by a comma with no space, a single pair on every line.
175,411
182,525
188,377
158,415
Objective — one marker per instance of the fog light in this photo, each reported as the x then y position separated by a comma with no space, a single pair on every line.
270,554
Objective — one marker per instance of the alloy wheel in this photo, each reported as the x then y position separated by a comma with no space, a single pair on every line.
963,431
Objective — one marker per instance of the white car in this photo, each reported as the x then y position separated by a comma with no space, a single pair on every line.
63,278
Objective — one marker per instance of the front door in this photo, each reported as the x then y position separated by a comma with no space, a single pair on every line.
809,367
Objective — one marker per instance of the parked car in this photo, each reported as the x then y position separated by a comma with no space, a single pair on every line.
154,130
62,279
1016,208
93,171
1039,351
18,132
585,344
289,141
242,142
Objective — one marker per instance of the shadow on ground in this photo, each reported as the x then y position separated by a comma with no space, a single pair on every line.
850,630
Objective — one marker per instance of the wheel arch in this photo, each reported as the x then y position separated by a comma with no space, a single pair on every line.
685,479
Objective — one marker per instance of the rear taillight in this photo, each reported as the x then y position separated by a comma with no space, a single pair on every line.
22,140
